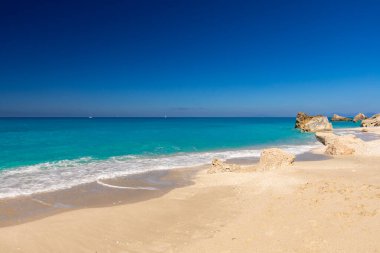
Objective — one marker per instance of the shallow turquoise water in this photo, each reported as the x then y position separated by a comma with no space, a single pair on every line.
46,154
29,141
344,124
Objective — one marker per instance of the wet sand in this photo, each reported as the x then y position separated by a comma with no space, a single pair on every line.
307,156
110,192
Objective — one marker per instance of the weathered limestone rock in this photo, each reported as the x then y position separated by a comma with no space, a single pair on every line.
308,123
219,166
274,158
337,117
341,145
324,138
359,117
374,121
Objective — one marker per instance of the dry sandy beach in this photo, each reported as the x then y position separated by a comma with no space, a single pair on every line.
328,205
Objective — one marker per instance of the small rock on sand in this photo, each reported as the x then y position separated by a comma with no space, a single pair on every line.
274,158
219,166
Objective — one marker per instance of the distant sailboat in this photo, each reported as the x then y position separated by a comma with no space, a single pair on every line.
166,116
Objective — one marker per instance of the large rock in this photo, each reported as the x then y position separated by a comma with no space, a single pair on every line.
374,121
274,158
341,145
359,117
308,123
337,117
219,166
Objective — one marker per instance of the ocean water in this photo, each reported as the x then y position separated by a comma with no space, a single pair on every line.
345,124
45,154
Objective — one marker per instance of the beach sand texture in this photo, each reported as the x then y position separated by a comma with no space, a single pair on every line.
314,206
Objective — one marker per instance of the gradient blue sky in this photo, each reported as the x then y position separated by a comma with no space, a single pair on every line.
189,58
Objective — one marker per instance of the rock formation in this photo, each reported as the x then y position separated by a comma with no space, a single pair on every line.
274,158
359,117
308,123
341,145
337,117
371,122
219,166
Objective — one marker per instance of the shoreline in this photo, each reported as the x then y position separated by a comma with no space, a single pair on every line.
121,190
224,154
108,192
320,206
316,205
35,176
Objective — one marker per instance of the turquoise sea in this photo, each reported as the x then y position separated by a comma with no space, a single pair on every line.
44,154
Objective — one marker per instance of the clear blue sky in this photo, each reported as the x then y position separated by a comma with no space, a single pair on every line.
189,58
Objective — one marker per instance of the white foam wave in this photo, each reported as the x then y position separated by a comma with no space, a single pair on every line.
65,174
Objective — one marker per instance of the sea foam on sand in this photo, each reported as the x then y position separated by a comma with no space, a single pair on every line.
65,174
